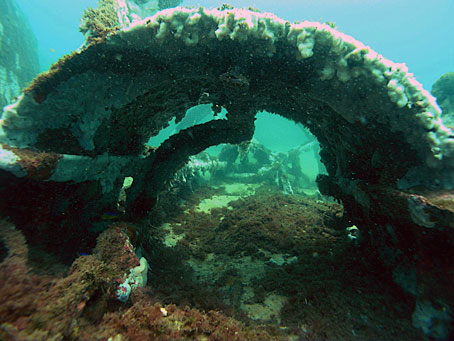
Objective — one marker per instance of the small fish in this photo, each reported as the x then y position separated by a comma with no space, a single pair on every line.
110,215
52,50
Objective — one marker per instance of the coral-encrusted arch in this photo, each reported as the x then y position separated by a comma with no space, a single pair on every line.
100,105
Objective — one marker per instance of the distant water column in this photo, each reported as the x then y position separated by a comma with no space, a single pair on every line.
18,52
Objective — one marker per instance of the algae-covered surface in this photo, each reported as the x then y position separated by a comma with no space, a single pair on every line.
262,266
283,262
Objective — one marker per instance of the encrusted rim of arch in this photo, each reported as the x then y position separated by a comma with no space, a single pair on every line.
374,121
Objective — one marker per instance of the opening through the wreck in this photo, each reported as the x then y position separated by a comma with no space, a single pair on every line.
281,154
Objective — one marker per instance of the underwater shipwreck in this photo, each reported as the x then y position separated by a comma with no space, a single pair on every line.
106,237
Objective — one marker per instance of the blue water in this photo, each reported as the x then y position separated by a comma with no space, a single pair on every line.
56,26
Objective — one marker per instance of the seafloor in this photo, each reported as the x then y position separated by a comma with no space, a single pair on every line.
232,261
